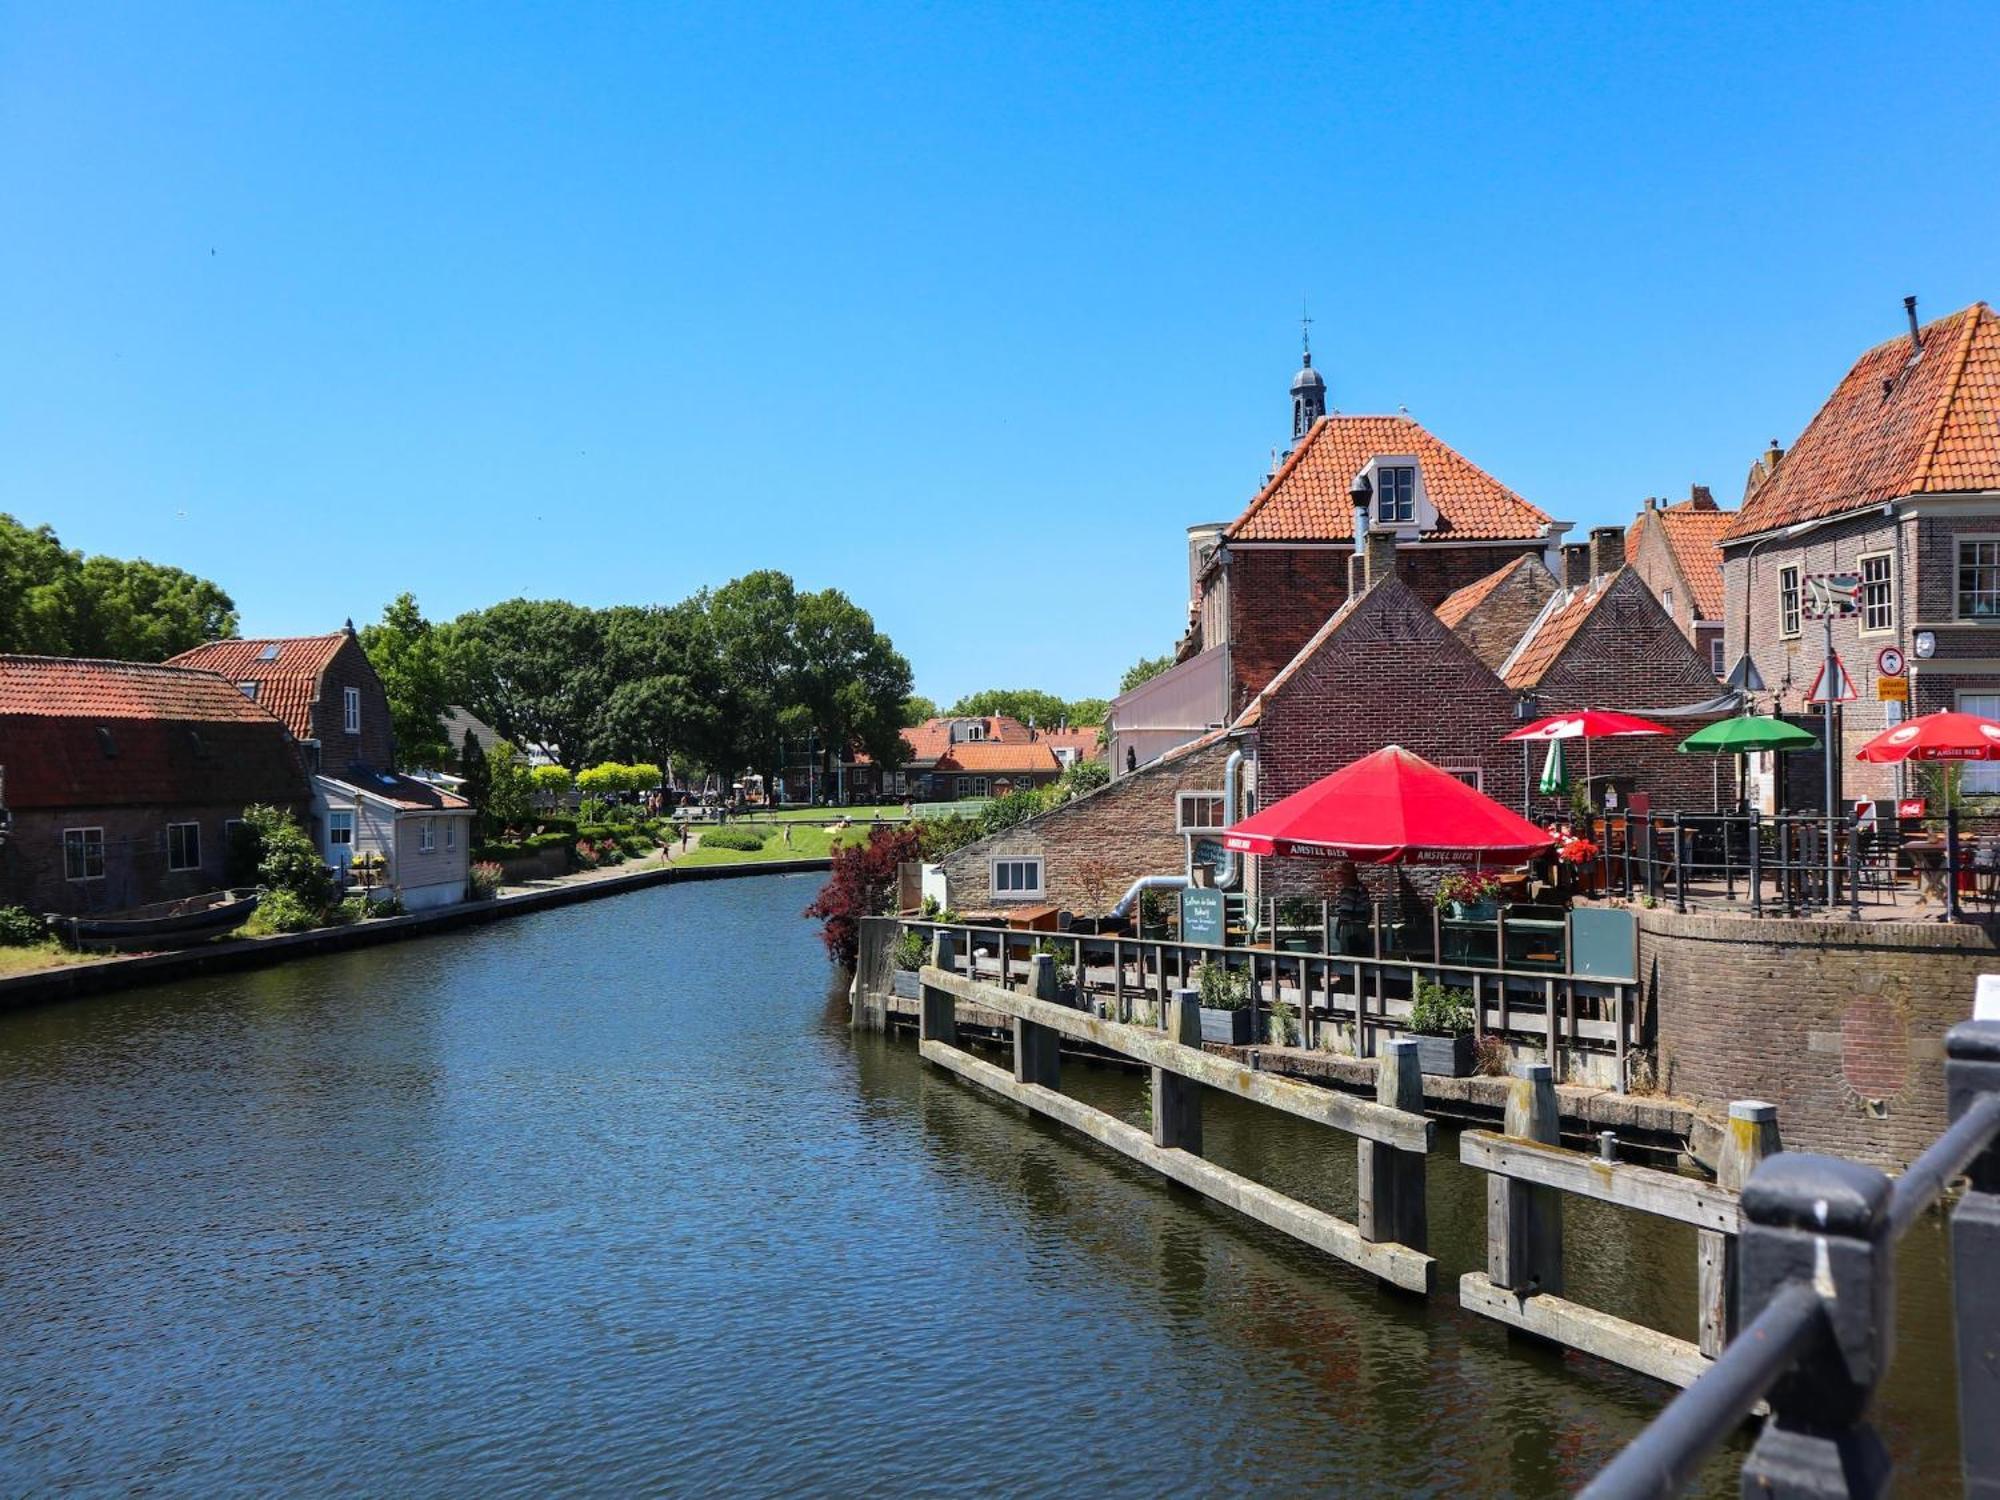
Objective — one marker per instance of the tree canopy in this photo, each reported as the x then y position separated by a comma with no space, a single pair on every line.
56,602
1145,669
1031,705
412,657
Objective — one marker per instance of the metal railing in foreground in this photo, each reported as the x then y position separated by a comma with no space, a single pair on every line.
1816,1287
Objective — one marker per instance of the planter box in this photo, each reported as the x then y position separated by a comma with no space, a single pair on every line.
1450,1056
904,984
1231,1028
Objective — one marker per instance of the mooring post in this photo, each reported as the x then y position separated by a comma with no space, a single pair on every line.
1037,1058
1524,1220
1821,1223
1177,1100
937,1014
1752,1136
1972,1071
1390,1182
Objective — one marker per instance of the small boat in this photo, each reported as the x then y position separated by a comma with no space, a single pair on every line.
163,924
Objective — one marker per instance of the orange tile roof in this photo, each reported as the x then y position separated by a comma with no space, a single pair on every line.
1458,605
1692,533
1000,757
1565,616
930,739
1307,499
287,684
1934,430
50,687
1081,739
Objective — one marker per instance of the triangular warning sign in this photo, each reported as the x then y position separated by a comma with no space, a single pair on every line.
1840,690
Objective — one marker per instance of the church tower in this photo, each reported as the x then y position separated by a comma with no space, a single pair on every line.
1308,389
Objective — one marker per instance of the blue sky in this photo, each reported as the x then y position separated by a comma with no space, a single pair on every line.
967,310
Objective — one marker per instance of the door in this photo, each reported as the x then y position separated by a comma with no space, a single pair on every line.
340,839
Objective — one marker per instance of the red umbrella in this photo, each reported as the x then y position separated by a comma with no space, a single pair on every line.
1587,724
1935,737
1386,807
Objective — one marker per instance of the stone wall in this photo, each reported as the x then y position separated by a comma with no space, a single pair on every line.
1839,1024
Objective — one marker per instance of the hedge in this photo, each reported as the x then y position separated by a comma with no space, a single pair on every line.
744,839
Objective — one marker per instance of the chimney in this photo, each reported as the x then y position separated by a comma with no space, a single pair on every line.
1381,556
1700,498
1576,565
1607,550
1357,575
1910,311
1651,503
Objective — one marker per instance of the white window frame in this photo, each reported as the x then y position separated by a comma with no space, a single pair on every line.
353,824
1888,586
350,710
426,835
84,841
1402,517
1790,620
1667,600
1978,778
1959,544
963,787
196,865
1183,823
1717,663
451,835
1013,889
1472,776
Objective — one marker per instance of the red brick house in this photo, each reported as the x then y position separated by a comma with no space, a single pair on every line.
1493,614
1897,478
1673,548
119,781
949,759
330,698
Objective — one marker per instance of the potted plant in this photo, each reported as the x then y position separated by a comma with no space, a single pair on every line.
1441,1024
1225,1004
1469,895
1298,925
908,954
1152,914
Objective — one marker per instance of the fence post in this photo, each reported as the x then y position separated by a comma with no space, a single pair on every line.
1680,867
1177,1100
1752,1135
1390,1183
1951,913
1524,1220
1756,865
937,1014
1821,1222
1972,1069
1854,868
1037,1058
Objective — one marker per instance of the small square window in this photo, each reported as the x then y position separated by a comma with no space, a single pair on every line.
248,690
1200,812
83,854
1016,879
184,846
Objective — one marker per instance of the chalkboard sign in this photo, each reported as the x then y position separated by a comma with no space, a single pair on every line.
1603,943
1210,853
1201,916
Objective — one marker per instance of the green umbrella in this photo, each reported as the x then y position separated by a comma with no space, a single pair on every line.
1555,772
1742,736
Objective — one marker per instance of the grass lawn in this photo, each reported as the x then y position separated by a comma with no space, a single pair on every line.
47,954
807,843
825,814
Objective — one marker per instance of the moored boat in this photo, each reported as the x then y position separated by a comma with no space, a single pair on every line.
163,924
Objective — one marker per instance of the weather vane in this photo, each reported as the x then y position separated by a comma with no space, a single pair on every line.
1305,327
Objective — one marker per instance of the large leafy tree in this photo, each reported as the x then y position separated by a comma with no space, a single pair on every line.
534,670
1045,710
752,619
669,700
1145,669
850,682
411,656
57,602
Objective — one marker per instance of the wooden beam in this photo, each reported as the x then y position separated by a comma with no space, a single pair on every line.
1647,1189
1575,1326
1407,1131
1397,1264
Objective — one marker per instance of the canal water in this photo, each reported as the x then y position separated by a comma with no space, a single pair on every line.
608,1200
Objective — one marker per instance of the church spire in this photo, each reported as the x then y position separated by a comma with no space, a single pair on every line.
1308,386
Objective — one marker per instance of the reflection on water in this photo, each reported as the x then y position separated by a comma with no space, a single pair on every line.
608,1199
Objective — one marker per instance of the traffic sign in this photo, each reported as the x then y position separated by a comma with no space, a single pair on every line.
1832,594
1892,689
1840,690
1889,661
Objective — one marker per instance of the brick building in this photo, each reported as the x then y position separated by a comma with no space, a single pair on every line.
1493,614
1897,478
953,758
1673,549
119,781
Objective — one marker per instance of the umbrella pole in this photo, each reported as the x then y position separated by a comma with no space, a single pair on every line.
1587,802
1715,795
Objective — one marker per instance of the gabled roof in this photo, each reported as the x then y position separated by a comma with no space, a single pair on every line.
1253,711
1693,529
1307,499
399,791
1564,616
1081,739
1462,602
930,739
1900,423
286,670
1000,757
61,687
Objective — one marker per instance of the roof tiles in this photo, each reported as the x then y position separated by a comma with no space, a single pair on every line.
287,680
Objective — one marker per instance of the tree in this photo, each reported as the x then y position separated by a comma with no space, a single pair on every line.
56,602
40,590
1145,669
849,680
478,787
1029,705
553,782
1082,776
533,669
917,709
1085,711
410,655
861,883
510,796
752,619
668,701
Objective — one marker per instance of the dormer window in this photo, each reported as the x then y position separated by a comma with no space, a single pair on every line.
248,690
1395,494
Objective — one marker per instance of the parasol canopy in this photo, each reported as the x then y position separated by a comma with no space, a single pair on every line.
1945,736
1555,772
1387,807
1747,734
1587,724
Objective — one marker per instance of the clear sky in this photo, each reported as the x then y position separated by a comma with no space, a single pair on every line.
968,310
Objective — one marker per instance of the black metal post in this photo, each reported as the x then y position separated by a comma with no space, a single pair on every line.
1951,913
1756,864
1652,862
1728,859
1854,868
1821,1222
1971,1071
1680,867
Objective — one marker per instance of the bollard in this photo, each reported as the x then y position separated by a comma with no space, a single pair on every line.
937,1015
1177,1100
1971,1070
1389,1185
1037,1054
1524,1220
1607,1145
1751,1137
1821,1223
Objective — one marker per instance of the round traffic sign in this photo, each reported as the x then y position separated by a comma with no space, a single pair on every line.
1889,661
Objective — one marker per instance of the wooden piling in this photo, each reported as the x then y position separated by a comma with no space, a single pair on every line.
1752,1136
1524,1220
937,1017
1037,1055
1176,1099
1389,1182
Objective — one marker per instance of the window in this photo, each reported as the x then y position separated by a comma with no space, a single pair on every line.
426,835
1980,778
979,786
184,846
351,702
340,833
1715,656
1468,774
269,653
248,690
1979,580
1667,600
450,834
1016,879
1396,494
1878,602
964,786
1200,812
1788,601
83,854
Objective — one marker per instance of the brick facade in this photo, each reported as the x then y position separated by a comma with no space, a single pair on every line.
136,869
1493,626
374,745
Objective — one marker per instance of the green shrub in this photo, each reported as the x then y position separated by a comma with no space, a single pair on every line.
285,911
746,839
1222,988
910,951
352,909
482,882
287,860
387,906
594,831
1437,1011
19,928
1016,807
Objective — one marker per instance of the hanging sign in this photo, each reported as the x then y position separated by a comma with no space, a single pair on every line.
1889,661
1892,689
1839,690
1910,807
1202,916
1833,594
